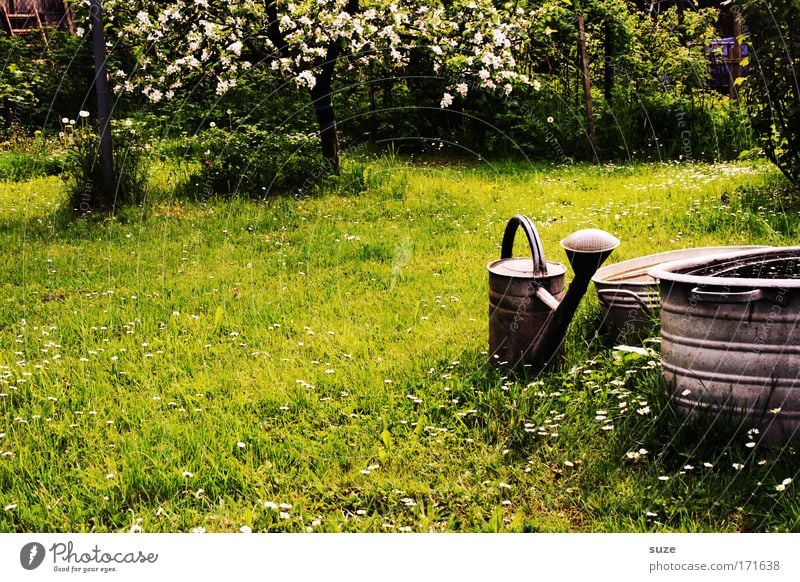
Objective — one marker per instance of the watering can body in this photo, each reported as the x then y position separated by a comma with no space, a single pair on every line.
517,317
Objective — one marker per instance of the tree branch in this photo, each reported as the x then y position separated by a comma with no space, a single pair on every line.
328,66
274,32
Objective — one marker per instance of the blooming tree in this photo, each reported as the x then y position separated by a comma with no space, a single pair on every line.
472,44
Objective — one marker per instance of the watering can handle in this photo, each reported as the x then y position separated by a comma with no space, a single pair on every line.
539,263
626,293
699,294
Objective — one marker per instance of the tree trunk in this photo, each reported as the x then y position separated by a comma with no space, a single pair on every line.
321,92
326,120
321,96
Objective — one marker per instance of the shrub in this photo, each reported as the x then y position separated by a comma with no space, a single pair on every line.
23,157
255,163
708,127
83,170
771,88
39,72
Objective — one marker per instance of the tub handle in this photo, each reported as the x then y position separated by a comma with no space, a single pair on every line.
635,296
539,263
726,297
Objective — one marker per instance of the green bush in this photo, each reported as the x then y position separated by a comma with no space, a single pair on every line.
261,97
38,73
83,171
707,127
771,88
255,163
24,157
20,166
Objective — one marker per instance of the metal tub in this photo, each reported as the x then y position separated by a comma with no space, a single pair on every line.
730,328
629,295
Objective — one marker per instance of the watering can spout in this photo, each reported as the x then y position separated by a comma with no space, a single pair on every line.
529,313
586,250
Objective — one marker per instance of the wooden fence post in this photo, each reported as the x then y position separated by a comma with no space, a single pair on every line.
101,86
587,83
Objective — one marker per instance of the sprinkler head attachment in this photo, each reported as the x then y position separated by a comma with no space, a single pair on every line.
587,249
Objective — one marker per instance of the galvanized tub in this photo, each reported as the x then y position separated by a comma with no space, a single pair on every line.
629,296
730,327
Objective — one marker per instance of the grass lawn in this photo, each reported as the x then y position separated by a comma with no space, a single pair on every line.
319,364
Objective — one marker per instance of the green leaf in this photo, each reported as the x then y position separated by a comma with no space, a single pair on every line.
386,437
421,422
745,61
738,81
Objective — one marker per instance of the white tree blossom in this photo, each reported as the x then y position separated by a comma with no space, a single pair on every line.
466,39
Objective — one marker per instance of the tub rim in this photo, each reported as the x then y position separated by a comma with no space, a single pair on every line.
671,272
620,273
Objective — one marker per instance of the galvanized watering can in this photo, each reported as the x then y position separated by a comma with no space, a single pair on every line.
529,312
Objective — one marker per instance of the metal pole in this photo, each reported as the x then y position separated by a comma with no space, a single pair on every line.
101,85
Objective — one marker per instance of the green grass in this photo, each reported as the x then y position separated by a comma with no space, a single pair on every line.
23,157
198,364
